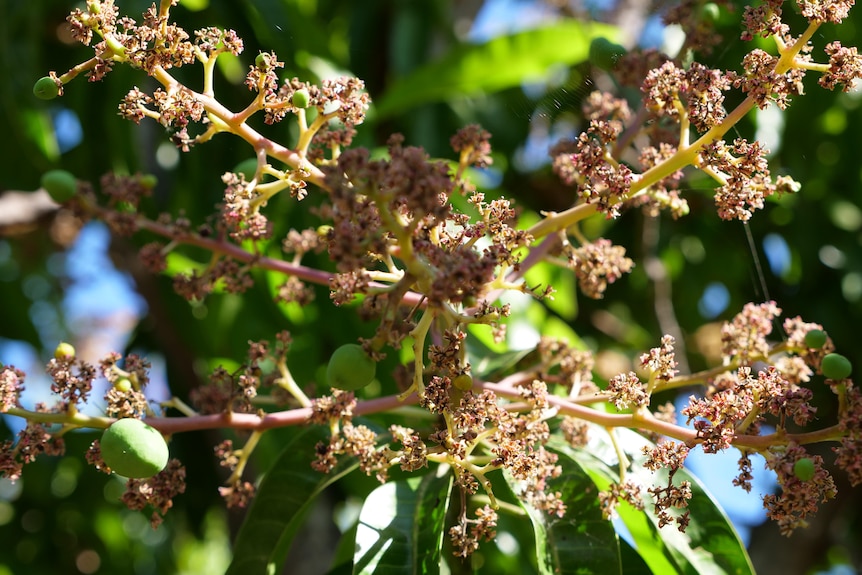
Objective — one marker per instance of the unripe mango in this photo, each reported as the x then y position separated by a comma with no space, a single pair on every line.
836,366
803,469
132,448
463,382
64,350
46,88
350,368
815,339
300,98
61,185
248,168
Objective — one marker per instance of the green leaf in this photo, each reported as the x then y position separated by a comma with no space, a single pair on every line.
582,541
487,364
177,263
401,526
38,126
596,462
342,559
633,564
287,491
710,544
294,311
500,63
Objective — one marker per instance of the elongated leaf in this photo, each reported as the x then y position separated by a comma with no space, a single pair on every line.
37,124
597,461
710,544
633,564
288,490
401,526
489,364
342,559
583,541
500,63
295,312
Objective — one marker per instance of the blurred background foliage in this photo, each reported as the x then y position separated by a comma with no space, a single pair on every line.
427,65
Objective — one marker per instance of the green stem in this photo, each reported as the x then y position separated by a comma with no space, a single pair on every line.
621,455
209,72
419,333
684,156
76,419
238,126
479,473
179,405
244,455
287,382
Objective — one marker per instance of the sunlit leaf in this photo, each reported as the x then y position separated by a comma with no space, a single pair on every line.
500,63
177,263
401,526
38,126
710,544
633,564
485,363
288,490
582,541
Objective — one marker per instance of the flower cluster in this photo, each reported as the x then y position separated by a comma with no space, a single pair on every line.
849,452
660,361
71,378
698,93
467,533
845,66
351,440
627,491
34,440
693,96
597,265
126,397
800,495
565,365
627,392
744,338
428,272
587,163
234,391
670,456
473,144
157,492
11,386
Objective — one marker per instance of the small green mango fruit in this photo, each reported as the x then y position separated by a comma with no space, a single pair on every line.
61,185
248,168
148,181
132,448
123,384
300,98
463,382
350,368
46,88
803,469
64,351
815,339
836,366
